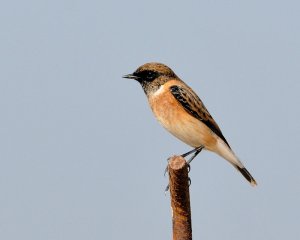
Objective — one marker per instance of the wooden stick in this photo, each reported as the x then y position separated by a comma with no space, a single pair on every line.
180,198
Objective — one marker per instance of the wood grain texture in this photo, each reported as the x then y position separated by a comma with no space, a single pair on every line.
180,198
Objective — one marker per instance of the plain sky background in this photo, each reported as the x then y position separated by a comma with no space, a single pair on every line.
82,157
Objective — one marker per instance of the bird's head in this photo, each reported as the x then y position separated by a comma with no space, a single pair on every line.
151,76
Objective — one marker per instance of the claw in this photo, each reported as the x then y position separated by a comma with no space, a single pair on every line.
188,167
190,181
167,189
166,170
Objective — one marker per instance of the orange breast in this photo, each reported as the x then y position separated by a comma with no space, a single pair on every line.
178,122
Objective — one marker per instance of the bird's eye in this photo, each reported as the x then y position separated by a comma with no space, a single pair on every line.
150,75
147,75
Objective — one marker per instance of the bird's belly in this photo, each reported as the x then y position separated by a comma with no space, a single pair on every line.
183,125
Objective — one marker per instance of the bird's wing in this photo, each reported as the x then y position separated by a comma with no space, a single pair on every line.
194,106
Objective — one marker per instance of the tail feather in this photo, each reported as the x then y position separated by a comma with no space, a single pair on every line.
224,151
247,175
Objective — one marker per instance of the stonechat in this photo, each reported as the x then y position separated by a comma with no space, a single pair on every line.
178,108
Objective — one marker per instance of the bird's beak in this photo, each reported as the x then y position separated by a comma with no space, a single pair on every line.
131,76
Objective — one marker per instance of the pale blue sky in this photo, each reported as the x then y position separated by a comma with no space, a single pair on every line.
81,155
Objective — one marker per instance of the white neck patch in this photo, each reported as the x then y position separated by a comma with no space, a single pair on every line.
159,91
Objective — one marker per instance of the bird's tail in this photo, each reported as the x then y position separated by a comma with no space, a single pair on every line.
247,175
224,151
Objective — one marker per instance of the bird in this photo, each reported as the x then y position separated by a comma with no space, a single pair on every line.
181,112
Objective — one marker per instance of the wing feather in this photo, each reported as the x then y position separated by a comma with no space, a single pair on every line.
194,106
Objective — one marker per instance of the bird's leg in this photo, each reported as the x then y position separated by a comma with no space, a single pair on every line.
192,151
196,151
192,158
